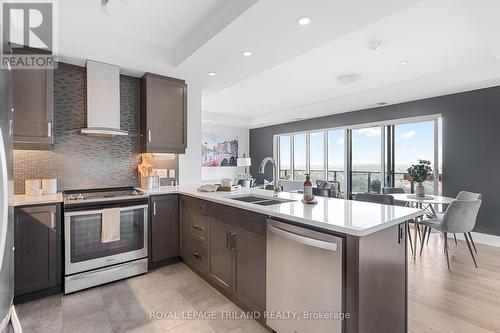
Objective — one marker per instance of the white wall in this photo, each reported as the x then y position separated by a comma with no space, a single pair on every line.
214,174
189,163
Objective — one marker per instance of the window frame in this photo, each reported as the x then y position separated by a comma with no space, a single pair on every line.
438,147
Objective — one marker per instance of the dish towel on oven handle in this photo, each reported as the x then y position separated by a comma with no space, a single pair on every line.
110,225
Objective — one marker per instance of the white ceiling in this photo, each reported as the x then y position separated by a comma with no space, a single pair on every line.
450,46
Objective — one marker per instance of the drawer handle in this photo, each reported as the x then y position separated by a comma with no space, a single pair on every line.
197,255
197,227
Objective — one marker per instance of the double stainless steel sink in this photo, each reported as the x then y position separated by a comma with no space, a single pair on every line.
261,200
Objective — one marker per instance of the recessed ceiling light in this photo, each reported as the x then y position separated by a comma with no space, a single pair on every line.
374,45
404,62
247,53
304,20
212,74
349,79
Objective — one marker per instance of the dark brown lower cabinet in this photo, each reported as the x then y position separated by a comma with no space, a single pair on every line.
231,244
164,230
250,263
38,252
220,254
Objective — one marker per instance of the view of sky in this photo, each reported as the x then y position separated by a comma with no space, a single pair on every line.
413,141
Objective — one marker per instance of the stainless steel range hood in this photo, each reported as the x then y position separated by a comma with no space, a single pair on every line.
103,100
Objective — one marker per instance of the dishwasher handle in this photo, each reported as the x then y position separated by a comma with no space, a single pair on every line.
326,245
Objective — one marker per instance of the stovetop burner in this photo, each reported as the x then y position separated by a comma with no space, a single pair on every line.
102,194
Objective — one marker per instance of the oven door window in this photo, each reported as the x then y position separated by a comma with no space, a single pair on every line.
85,232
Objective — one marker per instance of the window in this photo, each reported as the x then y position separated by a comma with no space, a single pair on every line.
364,158
299,156
336,156
317,155
285,160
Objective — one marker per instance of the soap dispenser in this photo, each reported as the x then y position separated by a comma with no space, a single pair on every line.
308,195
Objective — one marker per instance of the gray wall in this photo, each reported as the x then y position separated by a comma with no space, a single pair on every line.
471,137
80,161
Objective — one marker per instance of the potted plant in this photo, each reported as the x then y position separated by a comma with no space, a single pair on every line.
419,173
244,179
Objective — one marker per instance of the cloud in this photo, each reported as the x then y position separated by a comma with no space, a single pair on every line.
370,131
408,135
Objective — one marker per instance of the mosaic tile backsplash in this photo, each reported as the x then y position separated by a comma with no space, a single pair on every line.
79,161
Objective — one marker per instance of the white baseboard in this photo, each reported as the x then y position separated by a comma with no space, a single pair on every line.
480,238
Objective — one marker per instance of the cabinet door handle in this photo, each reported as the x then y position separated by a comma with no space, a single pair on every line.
149,135
197,255
197,227
154,208
49,129
232,236
53,221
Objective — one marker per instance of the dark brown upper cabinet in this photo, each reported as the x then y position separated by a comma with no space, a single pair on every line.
32,91
163,114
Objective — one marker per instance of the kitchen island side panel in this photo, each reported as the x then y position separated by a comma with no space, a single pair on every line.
376,281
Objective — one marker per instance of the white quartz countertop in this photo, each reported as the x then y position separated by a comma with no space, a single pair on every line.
22,200
344,216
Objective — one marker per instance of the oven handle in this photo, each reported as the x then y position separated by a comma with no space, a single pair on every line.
99,211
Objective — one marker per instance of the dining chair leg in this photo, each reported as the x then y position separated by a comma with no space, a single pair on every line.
419,233
470,249
472,241
455,236
423,240
446,250
429,235
414,251
409,237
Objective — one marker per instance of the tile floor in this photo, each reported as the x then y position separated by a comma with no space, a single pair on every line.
126,306
463,300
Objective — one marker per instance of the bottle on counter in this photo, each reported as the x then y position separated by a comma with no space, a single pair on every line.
308,195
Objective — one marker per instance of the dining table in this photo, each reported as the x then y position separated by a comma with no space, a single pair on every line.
426,204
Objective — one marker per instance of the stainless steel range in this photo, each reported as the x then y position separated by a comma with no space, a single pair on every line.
105,234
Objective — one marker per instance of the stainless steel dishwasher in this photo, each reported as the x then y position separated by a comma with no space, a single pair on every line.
304,280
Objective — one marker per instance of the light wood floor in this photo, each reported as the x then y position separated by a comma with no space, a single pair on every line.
464,299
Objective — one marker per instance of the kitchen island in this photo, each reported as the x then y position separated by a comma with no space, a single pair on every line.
229,239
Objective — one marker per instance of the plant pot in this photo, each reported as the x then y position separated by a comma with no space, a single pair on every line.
420,191
245,183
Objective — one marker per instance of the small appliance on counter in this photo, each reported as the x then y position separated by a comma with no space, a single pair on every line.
33,187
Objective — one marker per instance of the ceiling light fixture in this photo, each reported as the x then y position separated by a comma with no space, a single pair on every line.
211,74
247,53
374,45
349,79
304,20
